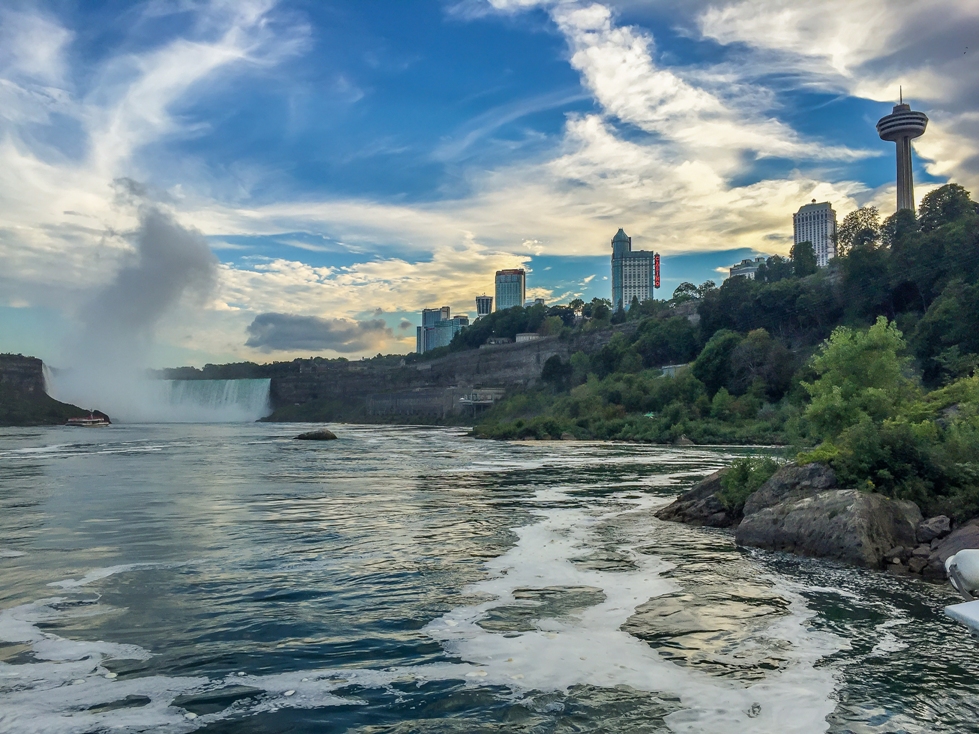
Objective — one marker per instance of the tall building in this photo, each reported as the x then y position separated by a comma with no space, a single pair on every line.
484,306
633,272
511,288
901,127
437,329
816,223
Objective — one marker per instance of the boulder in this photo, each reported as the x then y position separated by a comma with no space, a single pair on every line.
791,482
933,527
701,505
320,434
966,536
843,524
683,441
566,436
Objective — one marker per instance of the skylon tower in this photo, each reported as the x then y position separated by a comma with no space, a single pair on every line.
901,127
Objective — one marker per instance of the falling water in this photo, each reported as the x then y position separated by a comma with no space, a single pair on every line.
129,399
213,401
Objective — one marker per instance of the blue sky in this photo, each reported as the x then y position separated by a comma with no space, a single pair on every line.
356,161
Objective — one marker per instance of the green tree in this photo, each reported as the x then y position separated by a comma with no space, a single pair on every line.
803,259
860,228
946,204
774,269
706,287
685,291
861,376
713,366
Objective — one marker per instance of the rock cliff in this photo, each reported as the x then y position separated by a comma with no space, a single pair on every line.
23,400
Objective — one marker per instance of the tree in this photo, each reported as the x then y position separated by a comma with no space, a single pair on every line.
713,366
685,291
552,326
761,363
556,372
803,259
944,205
860,377
706,287
774,269
860,228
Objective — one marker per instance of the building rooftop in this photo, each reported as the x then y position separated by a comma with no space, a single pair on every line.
620,236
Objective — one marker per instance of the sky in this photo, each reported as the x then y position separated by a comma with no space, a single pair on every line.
328,169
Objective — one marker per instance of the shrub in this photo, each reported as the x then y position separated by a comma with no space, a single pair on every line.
743,478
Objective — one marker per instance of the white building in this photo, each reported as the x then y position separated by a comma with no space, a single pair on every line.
816,223
747,268
633,272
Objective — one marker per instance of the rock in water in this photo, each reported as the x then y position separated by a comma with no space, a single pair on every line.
791,482
843,524
701,505
321,434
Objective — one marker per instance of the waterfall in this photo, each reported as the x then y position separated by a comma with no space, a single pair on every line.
137,399
214,401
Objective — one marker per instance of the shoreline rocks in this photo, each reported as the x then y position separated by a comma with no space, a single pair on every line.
801,510
701,506
843,524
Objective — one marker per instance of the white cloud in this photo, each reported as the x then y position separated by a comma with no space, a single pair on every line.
658,157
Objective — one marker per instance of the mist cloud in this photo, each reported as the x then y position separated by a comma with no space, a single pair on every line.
283,332
169,261
107,356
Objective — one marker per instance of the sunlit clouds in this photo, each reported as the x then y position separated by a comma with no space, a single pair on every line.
681,130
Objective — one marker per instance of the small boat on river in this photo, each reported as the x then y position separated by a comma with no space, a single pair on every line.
91,421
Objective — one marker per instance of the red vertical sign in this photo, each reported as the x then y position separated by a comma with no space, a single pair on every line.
656,262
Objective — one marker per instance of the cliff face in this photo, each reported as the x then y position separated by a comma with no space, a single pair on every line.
23,400
21,375
368,391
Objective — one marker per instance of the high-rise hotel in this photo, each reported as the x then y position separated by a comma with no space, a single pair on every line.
633,272
437,329
511,288
816,223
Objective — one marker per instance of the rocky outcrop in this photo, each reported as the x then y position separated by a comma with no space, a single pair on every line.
843,524
941,549
933,527
701,505
790,482
321,434
23,401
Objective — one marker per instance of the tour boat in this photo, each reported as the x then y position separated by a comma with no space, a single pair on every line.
91,421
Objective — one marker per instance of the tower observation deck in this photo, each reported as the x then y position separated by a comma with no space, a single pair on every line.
901,127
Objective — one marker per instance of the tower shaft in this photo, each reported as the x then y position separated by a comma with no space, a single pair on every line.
905,179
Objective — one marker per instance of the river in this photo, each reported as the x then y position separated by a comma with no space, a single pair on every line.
226,578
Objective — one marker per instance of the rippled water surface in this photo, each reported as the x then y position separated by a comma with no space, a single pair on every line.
225,578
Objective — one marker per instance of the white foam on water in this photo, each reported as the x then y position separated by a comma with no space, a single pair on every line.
102,573
592,649
589,647
7,553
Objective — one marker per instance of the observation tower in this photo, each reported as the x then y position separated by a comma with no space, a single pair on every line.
901,127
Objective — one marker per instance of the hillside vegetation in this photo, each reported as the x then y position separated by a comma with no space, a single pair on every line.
868,364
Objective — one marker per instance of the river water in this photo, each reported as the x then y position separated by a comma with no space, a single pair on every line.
226,578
